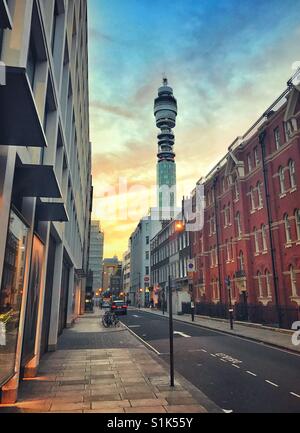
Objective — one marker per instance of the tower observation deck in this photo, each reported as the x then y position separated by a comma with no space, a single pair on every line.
165,112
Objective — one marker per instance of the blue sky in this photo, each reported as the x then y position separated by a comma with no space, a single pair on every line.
226,60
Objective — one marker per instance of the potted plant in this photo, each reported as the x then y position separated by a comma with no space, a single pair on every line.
4,319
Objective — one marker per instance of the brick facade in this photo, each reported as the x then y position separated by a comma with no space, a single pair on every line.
235,241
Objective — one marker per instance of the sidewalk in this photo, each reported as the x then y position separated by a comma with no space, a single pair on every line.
97,370
281,338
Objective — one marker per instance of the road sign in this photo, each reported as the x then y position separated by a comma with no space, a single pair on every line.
191,265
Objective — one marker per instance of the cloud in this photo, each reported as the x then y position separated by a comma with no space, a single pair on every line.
113,109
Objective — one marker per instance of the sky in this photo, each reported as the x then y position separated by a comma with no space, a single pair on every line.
227,61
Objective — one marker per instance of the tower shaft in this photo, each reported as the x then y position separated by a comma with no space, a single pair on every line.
165,111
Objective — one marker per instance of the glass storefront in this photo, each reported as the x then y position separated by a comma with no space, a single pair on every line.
11,294
33,299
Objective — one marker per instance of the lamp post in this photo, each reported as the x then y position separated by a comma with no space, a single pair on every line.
171,332
179,228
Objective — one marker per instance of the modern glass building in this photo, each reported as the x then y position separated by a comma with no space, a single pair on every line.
45,180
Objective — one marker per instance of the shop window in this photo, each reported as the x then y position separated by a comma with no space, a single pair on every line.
11,294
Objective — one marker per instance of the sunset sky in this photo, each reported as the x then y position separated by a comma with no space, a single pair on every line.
227,60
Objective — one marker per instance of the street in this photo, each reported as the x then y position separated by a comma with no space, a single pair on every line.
238,375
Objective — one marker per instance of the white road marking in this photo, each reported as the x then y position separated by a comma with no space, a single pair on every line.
272,383
201,325
252,374
134,326
134,315
213,355
203,350
236,366
295,395
182,334
227,411
223,360
194,350
229,358
143,341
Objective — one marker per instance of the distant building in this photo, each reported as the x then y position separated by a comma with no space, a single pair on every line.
111,267
170,252
96,254
126,273
165,111
140,260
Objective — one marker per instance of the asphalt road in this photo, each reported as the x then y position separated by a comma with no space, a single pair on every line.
237,374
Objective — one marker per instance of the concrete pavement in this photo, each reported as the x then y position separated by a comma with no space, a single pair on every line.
97,370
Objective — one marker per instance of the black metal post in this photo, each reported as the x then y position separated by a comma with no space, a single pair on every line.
171,334
163,301
230,307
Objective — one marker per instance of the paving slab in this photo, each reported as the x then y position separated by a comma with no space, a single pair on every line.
103,378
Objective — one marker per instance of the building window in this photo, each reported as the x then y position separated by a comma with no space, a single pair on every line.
147,255
214,224
227,251
228,214
249,162
264,237
256,157
292,173
241,261
259,282
281,180
11,293
287,225
256,240
31,62
252,199
277,138
289,129
297,220
293,281
147,270
268,283
238,225
147,240
236,189
259,193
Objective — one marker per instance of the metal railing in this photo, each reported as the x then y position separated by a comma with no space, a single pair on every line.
253,313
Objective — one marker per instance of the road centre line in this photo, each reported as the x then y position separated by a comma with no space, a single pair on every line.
252,374
272,383
295,395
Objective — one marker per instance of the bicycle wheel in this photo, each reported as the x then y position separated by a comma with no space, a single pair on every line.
104,322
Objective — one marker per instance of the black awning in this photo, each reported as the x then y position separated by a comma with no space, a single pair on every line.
5,19
19,120
36,181
46,211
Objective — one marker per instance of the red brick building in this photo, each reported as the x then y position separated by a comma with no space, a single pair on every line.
254,188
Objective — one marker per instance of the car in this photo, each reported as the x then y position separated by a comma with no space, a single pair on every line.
119,307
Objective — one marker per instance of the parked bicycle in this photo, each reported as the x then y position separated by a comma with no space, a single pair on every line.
110,320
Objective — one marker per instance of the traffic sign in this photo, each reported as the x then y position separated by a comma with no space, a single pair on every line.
191,265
